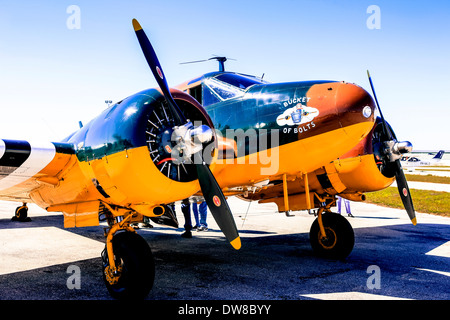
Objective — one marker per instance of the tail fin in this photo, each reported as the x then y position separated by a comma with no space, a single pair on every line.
439,155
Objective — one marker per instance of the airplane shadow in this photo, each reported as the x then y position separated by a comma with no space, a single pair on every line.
268,266
215,231
382,218
34,222
284,266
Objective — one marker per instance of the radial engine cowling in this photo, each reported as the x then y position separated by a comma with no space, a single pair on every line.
133,155
370,165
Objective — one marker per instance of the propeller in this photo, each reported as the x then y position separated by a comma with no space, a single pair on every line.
187,134
393,152
155,66
216,202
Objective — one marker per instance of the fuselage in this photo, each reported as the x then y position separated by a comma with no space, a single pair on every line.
304,124
262,131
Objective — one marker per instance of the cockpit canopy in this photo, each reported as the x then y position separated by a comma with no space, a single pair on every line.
217,87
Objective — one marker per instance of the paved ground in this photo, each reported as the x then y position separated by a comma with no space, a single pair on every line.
38,258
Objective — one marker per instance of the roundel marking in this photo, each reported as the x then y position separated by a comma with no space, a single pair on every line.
216,201
405,192
160,74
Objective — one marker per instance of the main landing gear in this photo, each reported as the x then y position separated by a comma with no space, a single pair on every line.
331,235
128,264
21,214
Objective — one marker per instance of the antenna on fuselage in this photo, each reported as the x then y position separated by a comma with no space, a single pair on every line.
221,61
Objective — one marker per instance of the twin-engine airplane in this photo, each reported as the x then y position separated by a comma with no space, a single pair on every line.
223,134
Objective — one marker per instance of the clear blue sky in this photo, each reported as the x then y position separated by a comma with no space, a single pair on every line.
51,76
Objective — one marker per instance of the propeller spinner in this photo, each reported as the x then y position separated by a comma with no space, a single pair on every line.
393,151
191,139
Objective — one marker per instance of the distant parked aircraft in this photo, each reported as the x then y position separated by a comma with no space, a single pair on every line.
416,162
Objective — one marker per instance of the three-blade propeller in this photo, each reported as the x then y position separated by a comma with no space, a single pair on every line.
212,193
402,184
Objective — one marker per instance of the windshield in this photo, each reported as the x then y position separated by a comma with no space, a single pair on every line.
226,86
237,80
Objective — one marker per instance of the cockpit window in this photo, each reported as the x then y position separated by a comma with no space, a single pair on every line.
226,86
238,81
223,90
209,97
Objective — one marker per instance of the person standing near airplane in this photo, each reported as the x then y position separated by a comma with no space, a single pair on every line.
200,210
347,206
186,209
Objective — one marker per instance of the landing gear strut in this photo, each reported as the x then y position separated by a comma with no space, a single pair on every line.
21,214
331,235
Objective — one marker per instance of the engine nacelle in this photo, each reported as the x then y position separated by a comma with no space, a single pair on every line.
126,158
363,169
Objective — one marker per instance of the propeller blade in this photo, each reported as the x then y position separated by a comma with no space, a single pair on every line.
402,184
211,191
404,192
216,202
157,71
385,126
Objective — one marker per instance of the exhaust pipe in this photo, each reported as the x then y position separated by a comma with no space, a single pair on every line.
158,211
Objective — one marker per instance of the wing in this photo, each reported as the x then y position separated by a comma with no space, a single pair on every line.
26,166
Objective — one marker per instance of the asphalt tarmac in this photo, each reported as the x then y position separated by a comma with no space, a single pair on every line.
392,259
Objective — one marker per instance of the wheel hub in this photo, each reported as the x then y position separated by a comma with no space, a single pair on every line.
330,240
113,276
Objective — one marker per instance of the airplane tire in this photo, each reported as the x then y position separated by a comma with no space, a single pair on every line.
340,237
138,267
21,214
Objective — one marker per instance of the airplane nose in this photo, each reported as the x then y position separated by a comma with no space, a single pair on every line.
353,104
